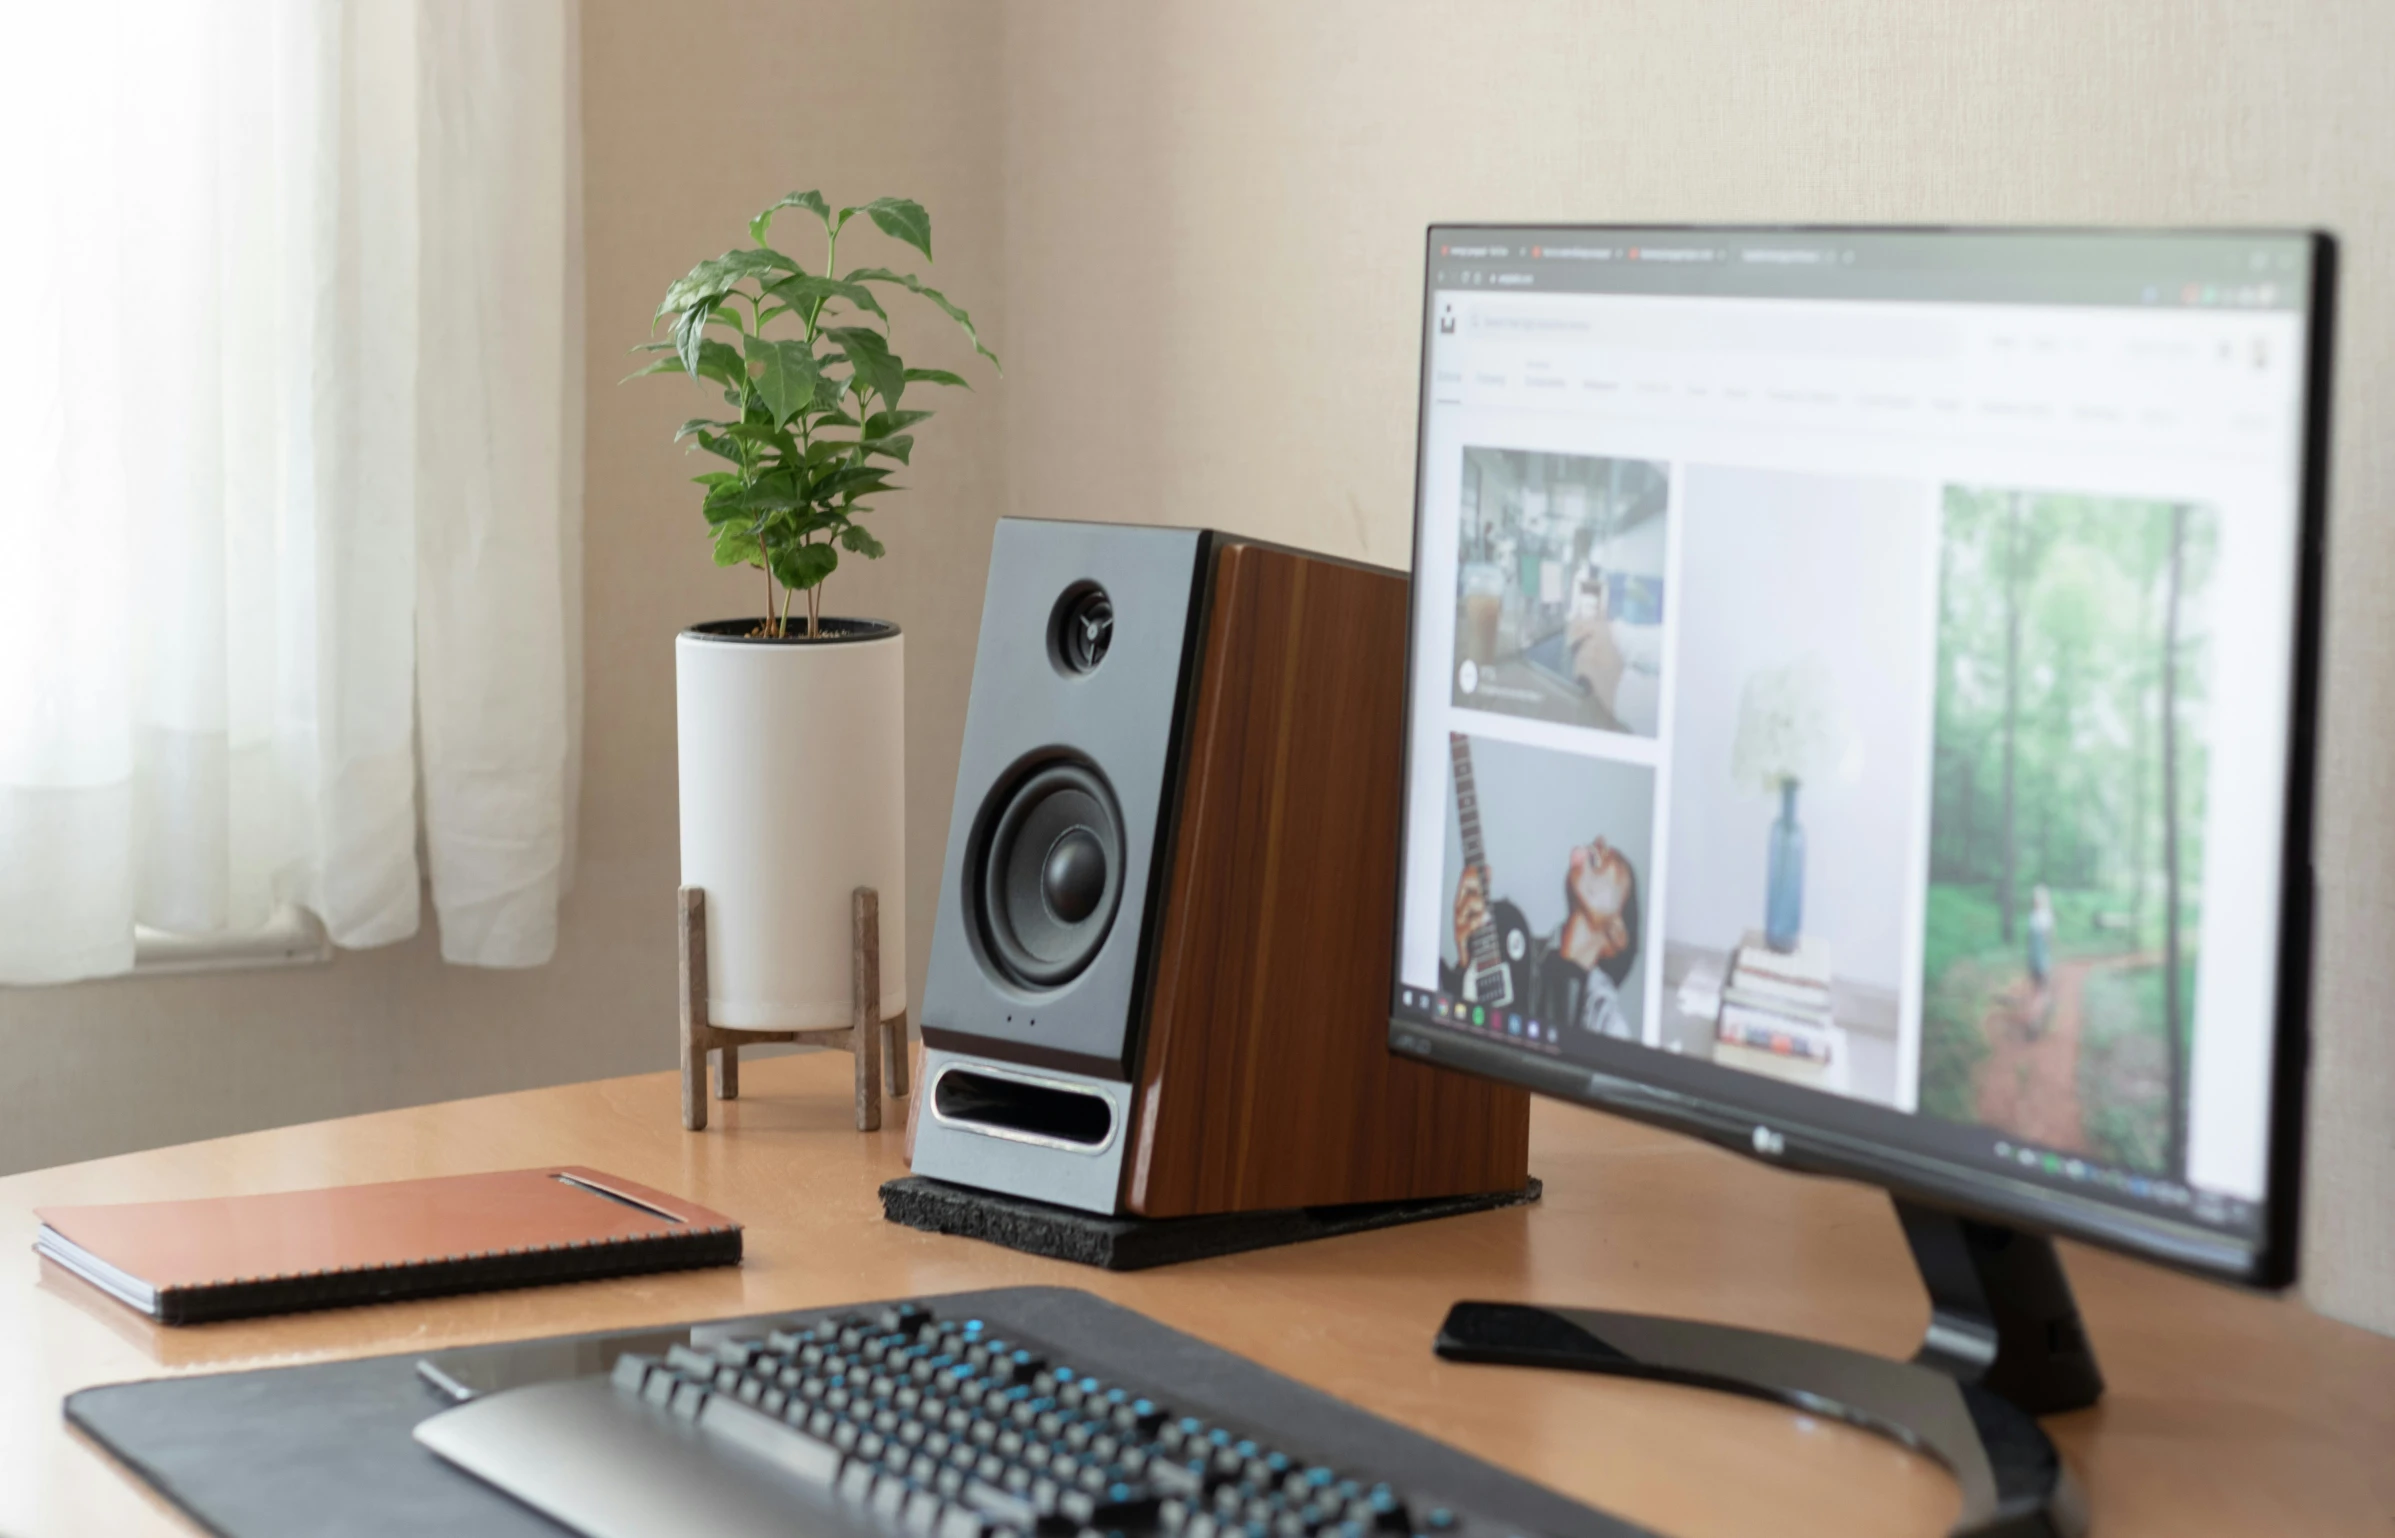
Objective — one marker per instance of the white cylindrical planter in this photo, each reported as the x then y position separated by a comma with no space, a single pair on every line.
793,790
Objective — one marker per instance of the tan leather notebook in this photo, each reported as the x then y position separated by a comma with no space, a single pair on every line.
229,1256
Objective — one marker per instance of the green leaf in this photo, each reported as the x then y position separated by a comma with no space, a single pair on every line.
774,491
855,538
661,366
870,361
719,275
736,546
695,423
720,362
689,328
883,423
902,219
850,481
812,202
715,478
768,443
938,376
785,375
718,445
804,566
824,450
899,446
908,280
803,289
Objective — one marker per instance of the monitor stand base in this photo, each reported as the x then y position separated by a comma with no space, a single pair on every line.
2004,1345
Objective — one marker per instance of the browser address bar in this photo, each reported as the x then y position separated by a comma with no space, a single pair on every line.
1859,334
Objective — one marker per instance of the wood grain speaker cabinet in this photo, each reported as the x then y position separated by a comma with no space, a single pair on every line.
1162,963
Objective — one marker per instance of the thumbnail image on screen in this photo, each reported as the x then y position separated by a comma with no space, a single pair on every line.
1559,588
1799,715
1547,856
2066,847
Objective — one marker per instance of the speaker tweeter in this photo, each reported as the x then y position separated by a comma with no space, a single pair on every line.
1082,629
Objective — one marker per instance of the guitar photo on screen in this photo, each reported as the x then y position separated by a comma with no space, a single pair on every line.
1547,939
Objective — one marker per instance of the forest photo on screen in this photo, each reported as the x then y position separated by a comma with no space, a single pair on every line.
2066,820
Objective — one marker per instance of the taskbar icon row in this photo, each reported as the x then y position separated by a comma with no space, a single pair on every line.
1480,1019
2206,1206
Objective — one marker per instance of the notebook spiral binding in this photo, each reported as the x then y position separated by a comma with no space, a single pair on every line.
579,1260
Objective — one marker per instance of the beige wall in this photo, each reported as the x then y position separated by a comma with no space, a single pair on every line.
1194,230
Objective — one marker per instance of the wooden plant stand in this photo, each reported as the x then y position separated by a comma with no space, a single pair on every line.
879,1044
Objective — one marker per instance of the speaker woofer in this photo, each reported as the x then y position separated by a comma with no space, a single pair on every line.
1050,874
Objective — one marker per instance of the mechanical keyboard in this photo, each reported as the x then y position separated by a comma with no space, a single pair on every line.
899,1419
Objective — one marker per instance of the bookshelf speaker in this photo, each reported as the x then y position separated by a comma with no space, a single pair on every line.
1160,970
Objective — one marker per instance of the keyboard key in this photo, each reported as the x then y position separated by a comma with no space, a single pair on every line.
959,1522
921,1515
632,1370
788,1449
690,1362
1177,1479
1114,1506
1000,1506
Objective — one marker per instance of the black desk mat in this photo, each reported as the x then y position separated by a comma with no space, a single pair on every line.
325,1449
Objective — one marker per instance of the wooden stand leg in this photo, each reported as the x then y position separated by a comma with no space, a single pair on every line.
864,1003
694,1010
894,1044
866,1036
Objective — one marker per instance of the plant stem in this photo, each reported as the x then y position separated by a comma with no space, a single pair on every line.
772,630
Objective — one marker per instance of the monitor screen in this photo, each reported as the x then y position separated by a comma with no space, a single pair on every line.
1860,704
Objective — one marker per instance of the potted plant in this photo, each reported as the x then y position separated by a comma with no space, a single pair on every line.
791,726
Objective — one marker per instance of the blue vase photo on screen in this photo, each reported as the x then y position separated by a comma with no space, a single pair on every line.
1784,903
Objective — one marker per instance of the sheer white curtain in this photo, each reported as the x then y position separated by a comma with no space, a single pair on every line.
289,472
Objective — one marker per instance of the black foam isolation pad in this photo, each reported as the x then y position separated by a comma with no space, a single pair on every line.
1135,1244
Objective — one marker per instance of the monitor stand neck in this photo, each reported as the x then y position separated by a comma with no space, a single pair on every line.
2004,1345
2001,1314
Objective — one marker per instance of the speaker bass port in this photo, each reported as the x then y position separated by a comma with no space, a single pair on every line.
1050,874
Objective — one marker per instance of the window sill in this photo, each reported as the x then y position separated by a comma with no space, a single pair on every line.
291,938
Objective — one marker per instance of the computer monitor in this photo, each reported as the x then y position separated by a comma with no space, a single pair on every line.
1861,706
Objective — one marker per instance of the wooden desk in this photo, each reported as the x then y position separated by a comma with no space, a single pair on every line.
2227,1413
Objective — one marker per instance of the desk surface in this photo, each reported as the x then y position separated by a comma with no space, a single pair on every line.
2227,1413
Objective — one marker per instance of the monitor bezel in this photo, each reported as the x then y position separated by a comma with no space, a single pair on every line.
1790,1144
